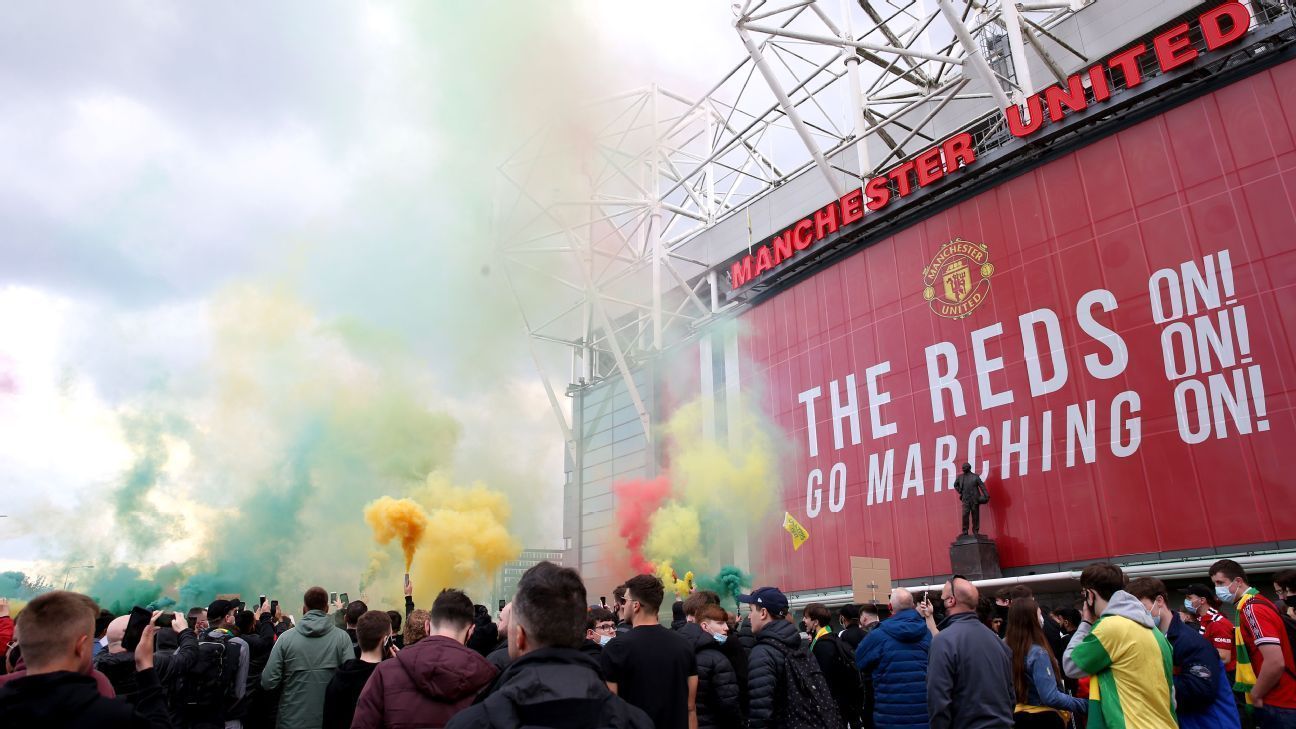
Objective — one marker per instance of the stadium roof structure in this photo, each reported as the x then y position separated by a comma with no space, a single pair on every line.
619,262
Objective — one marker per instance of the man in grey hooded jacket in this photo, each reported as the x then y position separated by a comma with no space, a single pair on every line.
303,661
969,676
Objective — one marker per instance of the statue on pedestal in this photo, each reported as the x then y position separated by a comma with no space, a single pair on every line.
972,492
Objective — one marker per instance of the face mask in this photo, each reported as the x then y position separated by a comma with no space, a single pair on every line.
1222,592
1189,606
605,639
1290,600
720,638
1041,621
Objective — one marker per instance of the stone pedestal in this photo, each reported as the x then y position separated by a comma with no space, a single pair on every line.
976,557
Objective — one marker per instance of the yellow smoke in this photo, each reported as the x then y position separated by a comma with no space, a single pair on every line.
401,519
713,484
467,539
715,477
675,532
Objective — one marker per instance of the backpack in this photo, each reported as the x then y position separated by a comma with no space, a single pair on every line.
206,692
807,701
849,691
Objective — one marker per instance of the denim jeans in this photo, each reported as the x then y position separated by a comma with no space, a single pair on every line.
1274,717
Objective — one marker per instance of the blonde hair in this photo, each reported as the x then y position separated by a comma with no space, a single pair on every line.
416,626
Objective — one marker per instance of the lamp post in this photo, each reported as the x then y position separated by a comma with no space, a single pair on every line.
67,582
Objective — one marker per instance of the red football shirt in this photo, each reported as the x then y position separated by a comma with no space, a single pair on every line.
1262,625
1218,630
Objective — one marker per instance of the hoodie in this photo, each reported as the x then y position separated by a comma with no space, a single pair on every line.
72,701
423,686
344,691
303,661
895,655
561,688
1130,664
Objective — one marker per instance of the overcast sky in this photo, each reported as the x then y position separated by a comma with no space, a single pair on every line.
159,155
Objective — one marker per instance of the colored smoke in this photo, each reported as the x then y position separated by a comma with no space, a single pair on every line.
467,538
399,519
674,534
636,502
728,583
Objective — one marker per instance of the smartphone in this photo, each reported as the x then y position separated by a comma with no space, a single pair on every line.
603,600
262,601
332,597
345,600
165,620
502,603
274,607
139,619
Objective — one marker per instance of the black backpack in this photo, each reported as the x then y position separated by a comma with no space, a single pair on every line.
846,683
807,701
206,692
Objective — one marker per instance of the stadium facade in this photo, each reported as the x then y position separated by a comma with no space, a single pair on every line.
1087,292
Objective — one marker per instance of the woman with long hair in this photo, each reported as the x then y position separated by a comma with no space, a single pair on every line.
1041,702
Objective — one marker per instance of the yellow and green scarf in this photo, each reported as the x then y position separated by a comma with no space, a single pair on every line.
1245,677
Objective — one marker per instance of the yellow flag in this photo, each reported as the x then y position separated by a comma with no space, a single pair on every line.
798,532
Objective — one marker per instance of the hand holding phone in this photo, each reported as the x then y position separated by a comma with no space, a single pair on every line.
346,600
139,619
274,610
144,648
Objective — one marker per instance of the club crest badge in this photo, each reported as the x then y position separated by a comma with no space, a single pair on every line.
957,280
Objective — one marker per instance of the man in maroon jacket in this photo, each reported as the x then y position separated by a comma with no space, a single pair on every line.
430,681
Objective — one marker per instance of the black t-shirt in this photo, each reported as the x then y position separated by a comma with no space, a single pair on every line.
651,666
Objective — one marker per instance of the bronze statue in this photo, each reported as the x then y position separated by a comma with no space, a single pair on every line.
972,492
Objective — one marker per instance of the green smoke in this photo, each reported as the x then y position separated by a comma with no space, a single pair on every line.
137,516
728,583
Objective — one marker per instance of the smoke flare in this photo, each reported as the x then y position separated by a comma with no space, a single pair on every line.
401,519
636,502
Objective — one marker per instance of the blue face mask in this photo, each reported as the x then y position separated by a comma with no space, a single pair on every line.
1189,606
720,638
605,639
1222,592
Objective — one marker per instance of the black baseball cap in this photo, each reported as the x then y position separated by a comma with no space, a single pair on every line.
217,611
1205,592
770,598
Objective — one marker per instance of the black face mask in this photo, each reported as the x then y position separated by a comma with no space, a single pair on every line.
1290,600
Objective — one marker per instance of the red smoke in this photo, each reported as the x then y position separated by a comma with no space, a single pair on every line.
636,501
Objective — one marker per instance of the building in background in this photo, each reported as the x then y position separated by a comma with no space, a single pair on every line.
507,580
1050,239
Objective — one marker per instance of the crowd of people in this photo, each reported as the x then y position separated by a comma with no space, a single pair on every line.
1130,653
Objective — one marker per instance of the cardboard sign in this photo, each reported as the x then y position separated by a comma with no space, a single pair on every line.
870,580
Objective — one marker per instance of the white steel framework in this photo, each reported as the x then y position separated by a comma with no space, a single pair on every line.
611,268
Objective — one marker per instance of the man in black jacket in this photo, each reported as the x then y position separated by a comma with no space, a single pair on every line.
707,629
257,630
55,631
372,631
837,663
549,681
769,625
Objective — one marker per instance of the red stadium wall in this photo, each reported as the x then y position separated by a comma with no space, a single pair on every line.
1196,458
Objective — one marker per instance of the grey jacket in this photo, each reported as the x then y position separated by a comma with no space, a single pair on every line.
969,677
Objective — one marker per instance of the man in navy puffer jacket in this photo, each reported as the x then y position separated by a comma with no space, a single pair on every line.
895,655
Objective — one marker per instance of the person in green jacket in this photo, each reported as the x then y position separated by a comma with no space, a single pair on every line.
303,661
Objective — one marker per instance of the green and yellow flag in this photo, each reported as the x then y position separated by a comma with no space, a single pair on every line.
798,532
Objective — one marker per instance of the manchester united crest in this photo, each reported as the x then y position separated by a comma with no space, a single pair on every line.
957,280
